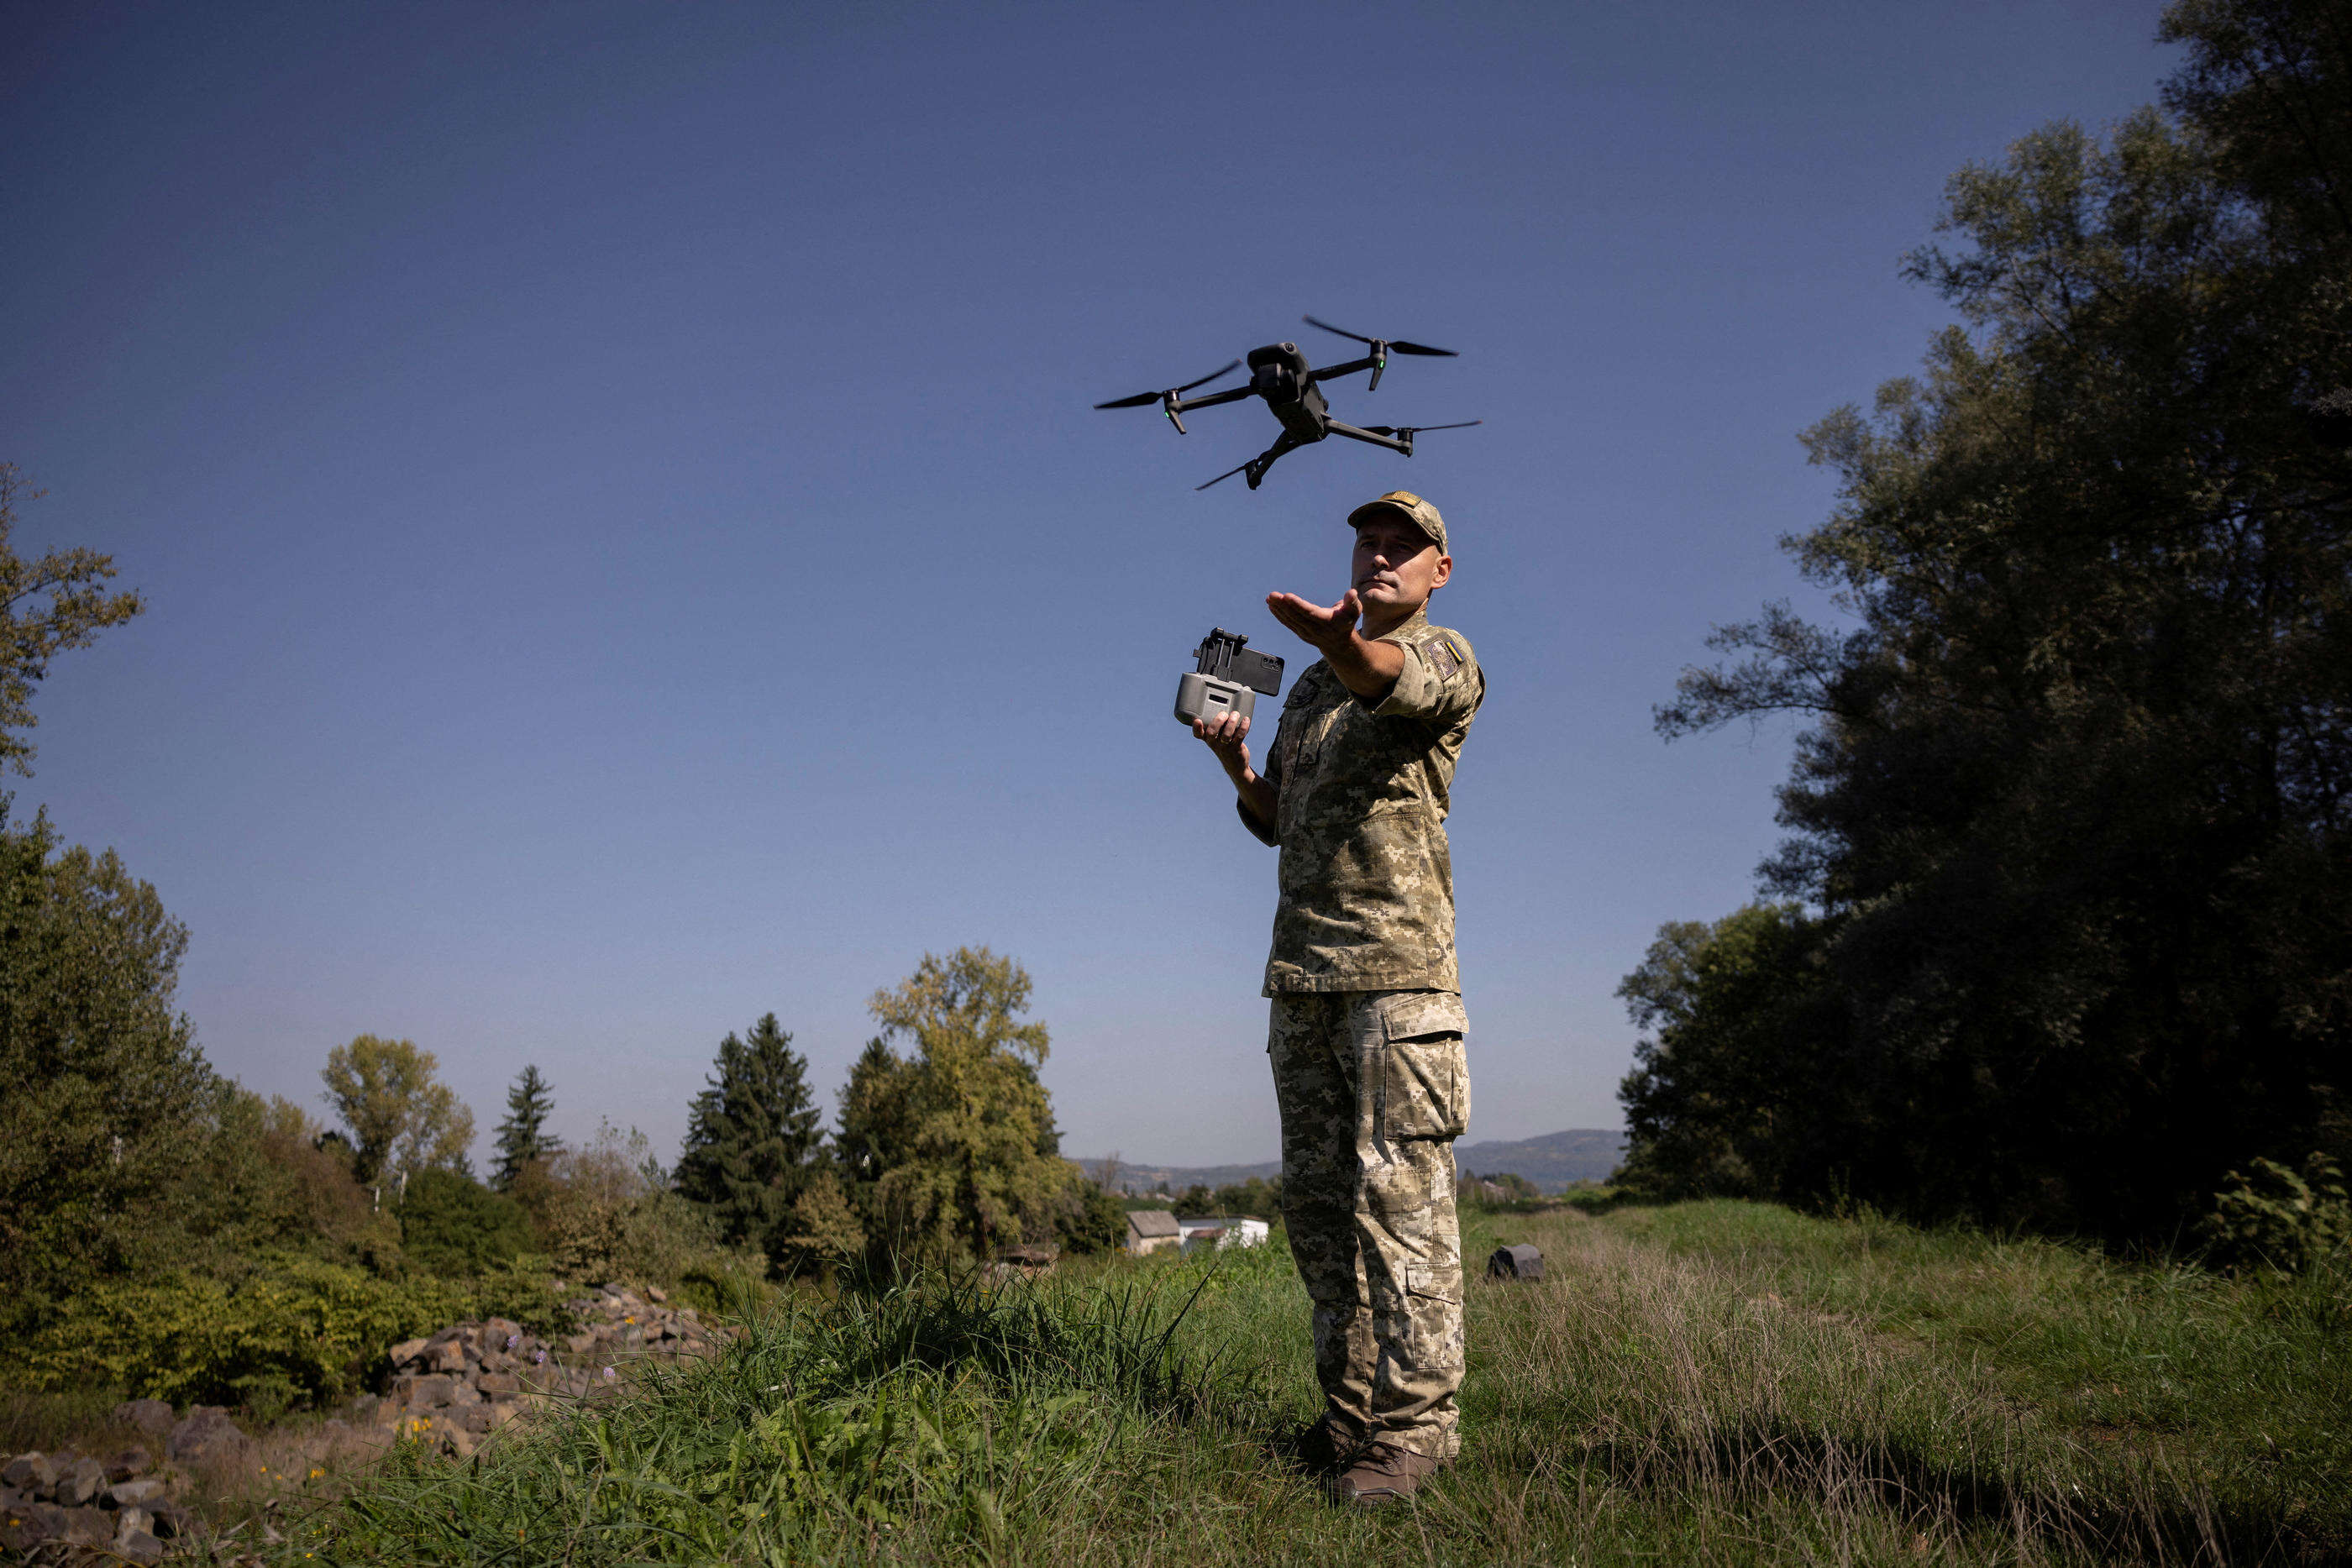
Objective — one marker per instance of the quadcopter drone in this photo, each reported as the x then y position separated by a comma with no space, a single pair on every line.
1280,375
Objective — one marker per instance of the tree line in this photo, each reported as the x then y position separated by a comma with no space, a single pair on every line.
125,1156
2059,935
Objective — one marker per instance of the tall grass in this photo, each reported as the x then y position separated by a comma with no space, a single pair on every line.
1710,1384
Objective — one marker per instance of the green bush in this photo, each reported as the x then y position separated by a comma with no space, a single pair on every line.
2281,1219
294,1331
1091,1220
452,1224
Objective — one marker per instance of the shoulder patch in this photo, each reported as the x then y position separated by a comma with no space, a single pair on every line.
1447,655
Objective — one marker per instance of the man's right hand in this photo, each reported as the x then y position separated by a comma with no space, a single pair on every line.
1228,736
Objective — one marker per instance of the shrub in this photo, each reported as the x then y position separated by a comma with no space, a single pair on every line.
294,1330
1091,1220
2281,1219
452,1224
607,1212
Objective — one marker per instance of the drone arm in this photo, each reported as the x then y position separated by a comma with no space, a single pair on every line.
1352,433
1231,394
1350,369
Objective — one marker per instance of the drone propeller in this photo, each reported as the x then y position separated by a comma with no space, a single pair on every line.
1379,347
1223,476
1379,343
1167,400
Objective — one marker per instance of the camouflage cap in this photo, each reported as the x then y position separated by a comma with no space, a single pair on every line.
1412,508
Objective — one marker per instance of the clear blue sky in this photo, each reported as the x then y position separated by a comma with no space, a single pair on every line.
630,549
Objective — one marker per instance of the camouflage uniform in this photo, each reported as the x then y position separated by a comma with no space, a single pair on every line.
1365,1037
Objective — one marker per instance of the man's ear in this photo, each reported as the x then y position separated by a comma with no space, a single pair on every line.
1444,571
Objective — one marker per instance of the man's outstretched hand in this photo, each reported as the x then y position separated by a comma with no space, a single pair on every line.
1328,630
1366,666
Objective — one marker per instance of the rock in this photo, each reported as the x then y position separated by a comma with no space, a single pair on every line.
406,1351
125,1463
1521,1262
206,1431
474,1418
84,1526
1032,1255
461,1392
30,1472
503,1412
498,1384
78,1482
447,1356
581,1344
457,1443
153,1417
174,1520
135,1494
656,1293
28,1524
420,1391
136,1546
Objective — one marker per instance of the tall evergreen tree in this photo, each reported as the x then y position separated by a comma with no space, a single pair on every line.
753,1139
524,1138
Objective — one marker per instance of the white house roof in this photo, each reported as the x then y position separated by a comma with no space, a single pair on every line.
1153,1222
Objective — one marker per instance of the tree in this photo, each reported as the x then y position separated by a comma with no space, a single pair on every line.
2074,805
47,606
1090,1218
1721,1072
955,1141
452,1224
823,1231
106,1102
752,1139
522,1136
400,1119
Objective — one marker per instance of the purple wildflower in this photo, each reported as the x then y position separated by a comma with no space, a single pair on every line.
539,1357
608,1374
513,1340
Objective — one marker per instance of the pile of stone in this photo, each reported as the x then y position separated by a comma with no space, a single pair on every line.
120,1504
454,1387
617,1321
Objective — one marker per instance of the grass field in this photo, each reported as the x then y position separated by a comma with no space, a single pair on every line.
1709,1383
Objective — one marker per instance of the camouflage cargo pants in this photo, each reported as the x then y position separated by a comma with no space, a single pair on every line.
1374,1088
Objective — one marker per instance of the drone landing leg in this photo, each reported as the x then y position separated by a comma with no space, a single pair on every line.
1255,469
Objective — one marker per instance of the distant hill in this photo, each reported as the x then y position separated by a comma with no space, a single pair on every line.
1552,1162
1136,1178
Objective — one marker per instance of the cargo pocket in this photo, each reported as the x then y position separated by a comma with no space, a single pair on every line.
1425,1073
1433,1306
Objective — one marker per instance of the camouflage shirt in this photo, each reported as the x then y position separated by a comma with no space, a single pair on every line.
1367,880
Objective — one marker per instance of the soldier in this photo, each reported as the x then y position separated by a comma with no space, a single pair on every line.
1366,1035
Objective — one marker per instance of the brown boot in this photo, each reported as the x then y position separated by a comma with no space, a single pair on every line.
1383,1473
1325,1446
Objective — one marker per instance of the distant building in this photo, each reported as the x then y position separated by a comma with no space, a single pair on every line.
1207,1235
1151,1229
